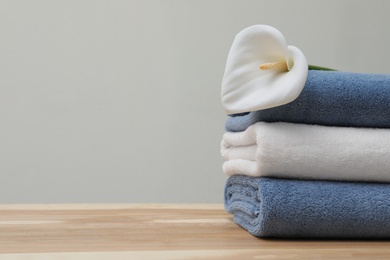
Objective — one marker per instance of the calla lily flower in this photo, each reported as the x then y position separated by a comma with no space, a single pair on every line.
262,71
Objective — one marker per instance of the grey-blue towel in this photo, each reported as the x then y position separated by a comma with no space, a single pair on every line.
284,208
330,98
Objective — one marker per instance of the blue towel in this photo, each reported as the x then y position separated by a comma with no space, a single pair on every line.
284,208
329,98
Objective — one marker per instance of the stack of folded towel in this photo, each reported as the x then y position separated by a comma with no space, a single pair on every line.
315,167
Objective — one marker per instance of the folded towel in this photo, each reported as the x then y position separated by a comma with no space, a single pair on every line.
268,207
288,150
330,98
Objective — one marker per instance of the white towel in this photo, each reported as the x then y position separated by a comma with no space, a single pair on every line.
302,151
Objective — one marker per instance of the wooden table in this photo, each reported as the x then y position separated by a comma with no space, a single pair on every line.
153,232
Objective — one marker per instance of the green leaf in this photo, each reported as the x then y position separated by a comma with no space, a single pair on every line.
313,67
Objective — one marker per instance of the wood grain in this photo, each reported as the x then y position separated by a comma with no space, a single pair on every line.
153,231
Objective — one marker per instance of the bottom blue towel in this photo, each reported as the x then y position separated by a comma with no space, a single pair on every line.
284,208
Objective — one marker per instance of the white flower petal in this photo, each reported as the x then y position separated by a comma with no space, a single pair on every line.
245,87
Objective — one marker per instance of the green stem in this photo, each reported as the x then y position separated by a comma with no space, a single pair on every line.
313,67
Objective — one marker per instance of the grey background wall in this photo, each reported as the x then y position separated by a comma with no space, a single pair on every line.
118,101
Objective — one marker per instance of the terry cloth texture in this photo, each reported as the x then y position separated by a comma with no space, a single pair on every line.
268,207
329,98
300,151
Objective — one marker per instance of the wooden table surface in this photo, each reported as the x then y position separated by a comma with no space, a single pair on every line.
153,231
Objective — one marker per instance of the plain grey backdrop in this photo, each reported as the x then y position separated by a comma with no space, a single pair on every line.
119,101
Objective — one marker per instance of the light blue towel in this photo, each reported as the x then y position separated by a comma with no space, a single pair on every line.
284,208
329,98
